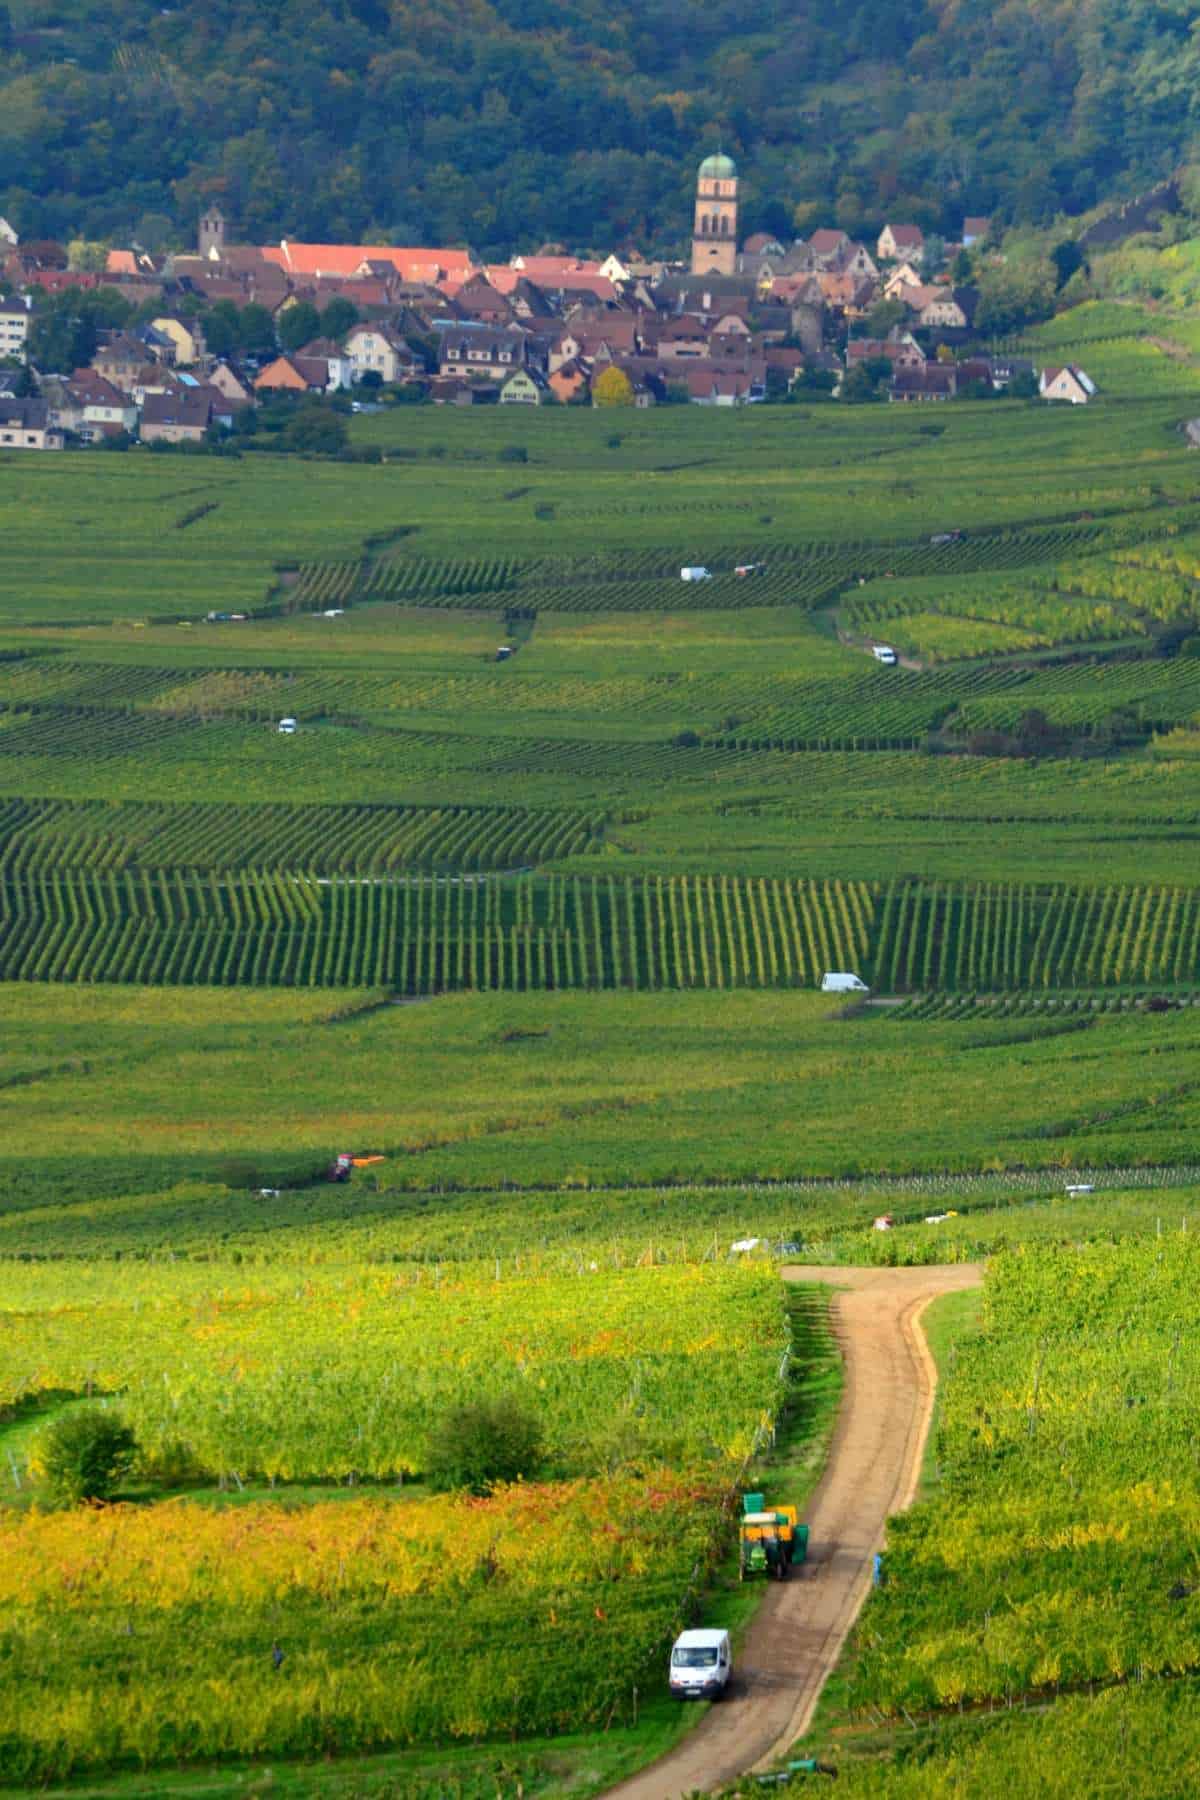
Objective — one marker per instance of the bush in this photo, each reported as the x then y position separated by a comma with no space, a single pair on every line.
86,1455
481,1443
513,453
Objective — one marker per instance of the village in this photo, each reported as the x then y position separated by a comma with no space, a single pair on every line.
211,337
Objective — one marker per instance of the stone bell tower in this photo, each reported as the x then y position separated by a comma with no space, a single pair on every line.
714,235
211,237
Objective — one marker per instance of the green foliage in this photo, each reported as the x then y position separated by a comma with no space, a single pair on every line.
298,325
315,430
480,1444
85,1455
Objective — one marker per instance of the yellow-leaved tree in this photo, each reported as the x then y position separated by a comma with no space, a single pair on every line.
613,388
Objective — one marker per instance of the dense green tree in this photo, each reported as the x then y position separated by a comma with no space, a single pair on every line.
298,325
316,430
65,328
256,330
481,1443
339,317
85,1455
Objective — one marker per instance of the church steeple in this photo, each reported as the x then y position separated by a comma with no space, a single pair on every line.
211,237
714,234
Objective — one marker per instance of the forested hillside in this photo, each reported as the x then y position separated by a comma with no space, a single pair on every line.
502,122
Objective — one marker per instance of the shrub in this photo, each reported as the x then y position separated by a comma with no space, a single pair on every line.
86,1455
482,1443
513,453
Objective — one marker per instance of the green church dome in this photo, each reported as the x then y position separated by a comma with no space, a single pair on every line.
718,168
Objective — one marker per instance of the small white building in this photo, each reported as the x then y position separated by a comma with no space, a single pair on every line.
1068,383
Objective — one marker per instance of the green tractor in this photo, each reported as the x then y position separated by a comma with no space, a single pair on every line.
771,1541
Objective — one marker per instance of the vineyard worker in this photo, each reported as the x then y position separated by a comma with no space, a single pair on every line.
276,1658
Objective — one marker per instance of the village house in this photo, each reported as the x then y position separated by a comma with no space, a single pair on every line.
120,358
935,382
14,329
339,370
682,337
951,309
94,408
1069,383
7,234
568,381
524,387
379,349
293,375
181,418
186,336
467,349
25,425
230,385
906,276
974,230
901,243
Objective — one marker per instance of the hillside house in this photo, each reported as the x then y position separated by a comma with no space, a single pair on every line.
975,229
7,234
25,425
951,309
906,276
1070,384
901,243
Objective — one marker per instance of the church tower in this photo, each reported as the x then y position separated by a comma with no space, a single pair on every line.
211,241
714,235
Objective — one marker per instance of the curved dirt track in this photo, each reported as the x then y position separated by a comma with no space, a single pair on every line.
873,1469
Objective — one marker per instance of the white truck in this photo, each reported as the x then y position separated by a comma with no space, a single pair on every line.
695,573
701,1664
835,982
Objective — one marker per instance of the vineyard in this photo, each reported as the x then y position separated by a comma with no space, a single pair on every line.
423,937
550,1604
115,921
345,1376
101,837
1067,1517
804,574
342,1377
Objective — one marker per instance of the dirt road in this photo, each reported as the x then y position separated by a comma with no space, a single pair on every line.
873,1470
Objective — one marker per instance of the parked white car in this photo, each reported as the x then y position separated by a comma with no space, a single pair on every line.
883,653
837,983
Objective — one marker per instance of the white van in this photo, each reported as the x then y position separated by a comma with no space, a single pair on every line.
701,1663
286,726
883,653
834,983
698,573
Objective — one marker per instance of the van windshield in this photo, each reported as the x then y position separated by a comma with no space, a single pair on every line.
691,1657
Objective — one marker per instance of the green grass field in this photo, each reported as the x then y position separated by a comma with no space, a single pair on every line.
545,936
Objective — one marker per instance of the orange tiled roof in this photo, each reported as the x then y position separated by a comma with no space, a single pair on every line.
413,263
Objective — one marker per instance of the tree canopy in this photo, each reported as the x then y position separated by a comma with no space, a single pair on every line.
498,123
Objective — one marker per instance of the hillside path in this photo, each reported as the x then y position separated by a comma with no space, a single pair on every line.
873,1470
